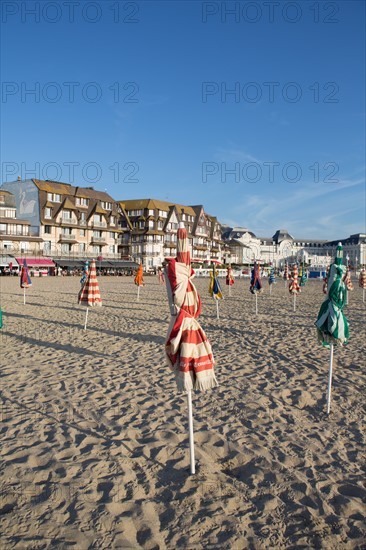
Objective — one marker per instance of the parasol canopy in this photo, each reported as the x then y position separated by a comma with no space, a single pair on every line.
89,294
272,278
229,276
139,279
187,348
332,324
294,287
25,280
286,275
214,288
85,273
362,279
255,281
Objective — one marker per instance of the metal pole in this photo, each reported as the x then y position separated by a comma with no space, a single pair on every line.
190,428
86,318
217,309
330,378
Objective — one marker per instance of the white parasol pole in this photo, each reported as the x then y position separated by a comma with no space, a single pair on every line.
294,301
330,378
363,294
138,292
86,318
24,295
270,289
229,289
190,427
217,309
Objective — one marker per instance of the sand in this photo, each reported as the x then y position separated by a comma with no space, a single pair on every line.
94,434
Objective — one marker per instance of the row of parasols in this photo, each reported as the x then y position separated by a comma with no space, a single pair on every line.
188,350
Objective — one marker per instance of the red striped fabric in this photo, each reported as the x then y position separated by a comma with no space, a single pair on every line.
294,287
89,294
187,347
362,279
347,279
183,254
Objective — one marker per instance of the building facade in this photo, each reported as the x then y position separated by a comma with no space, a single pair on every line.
67,223
151,232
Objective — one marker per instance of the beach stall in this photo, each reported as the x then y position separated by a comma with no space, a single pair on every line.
39,267
8,265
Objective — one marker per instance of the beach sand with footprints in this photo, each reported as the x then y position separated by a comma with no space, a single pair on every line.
94,434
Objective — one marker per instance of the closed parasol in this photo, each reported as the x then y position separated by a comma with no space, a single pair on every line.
362,282
215,289
294,287
139,279
255,283
229,278
187,348
332,325
89,294
25,280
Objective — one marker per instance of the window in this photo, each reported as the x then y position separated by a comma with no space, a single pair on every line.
48,212
151,212
107,205
82,232
111,249
66,248
2,199
151,224
47,229
47,246
53,197
66,215
81,201
112,220
142,225
112,235
97,234
82,247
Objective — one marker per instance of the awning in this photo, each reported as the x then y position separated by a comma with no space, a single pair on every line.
69,263
36,262
122,264
6,260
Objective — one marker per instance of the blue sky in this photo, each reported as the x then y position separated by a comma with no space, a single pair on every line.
259,114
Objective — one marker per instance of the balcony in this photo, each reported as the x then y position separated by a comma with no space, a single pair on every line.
99,224
67,237
13,233
67,221
98,240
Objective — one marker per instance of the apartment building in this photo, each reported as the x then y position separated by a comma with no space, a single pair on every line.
17,236
153,226
70,222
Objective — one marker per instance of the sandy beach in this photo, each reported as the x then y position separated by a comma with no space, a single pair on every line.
94,434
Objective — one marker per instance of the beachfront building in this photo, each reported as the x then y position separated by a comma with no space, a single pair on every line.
17,236
71,223
152,238
243,247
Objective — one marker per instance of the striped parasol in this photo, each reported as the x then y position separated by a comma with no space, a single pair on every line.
331,324
89,294
286,275
187,348
362,279
294,287
25,280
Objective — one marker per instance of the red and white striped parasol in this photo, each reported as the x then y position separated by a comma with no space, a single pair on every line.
89,294
187,348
